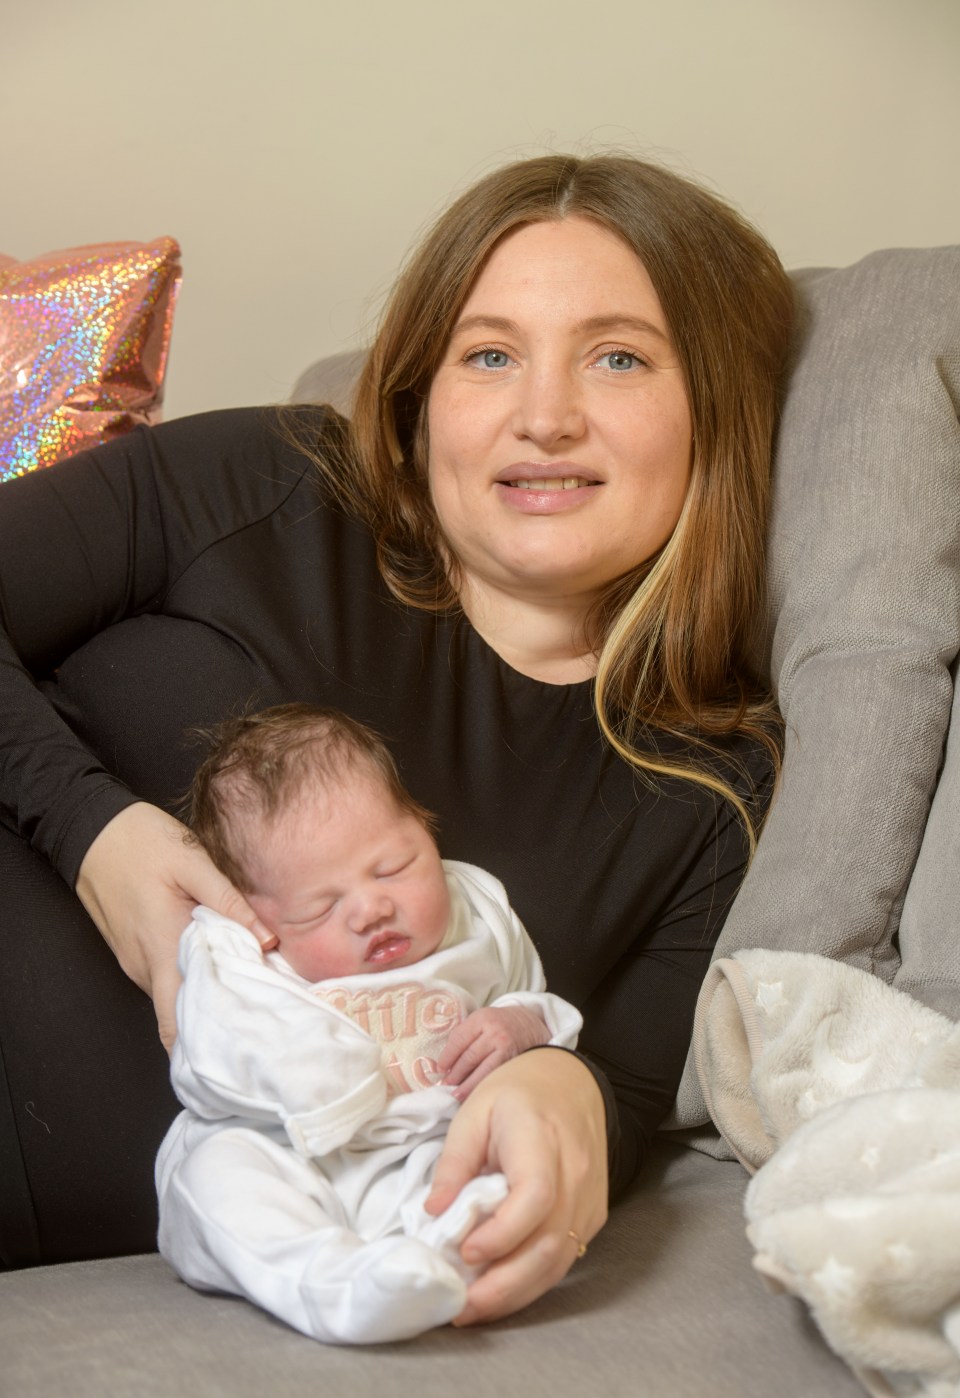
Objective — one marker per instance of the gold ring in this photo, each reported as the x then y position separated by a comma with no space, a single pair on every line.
581,1245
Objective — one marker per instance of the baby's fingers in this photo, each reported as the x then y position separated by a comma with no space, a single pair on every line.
476,1061
458,1041
463,1089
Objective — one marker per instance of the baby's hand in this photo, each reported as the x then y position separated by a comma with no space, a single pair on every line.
484,1040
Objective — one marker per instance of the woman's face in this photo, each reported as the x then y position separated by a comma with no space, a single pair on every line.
560,434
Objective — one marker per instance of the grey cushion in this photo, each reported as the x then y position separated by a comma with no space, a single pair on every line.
864,592
865,599
665,1304
330,380
930,923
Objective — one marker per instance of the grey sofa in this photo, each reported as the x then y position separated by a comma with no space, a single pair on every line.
855,863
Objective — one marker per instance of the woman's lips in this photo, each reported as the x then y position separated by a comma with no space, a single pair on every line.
387,947
546,495
547,475
550,483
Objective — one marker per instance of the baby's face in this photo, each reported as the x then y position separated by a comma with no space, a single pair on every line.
349,883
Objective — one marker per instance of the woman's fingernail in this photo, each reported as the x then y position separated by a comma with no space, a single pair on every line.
268,940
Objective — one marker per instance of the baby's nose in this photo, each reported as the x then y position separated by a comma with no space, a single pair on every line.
369,908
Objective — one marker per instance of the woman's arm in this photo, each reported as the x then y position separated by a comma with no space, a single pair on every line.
66,549
88,543
84,545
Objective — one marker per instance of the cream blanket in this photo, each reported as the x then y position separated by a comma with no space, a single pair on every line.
844,1095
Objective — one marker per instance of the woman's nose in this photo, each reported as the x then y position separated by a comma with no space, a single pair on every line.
550,406
367,908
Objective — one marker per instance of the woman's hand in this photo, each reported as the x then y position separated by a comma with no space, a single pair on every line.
540,1119
140,881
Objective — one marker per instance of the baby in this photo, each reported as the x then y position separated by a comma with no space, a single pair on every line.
319,1079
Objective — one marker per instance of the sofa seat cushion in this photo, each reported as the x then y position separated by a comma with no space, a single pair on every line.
665,1304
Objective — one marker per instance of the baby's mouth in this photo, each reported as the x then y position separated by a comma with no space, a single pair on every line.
387,947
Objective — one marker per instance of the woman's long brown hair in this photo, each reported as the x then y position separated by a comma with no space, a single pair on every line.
673,639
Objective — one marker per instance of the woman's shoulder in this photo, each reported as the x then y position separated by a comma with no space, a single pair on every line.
256,437
233,466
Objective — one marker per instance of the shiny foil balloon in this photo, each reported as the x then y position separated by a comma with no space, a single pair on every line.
84,337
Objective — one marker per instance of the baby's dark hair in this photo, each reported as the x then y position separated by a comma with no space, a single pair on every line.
261,763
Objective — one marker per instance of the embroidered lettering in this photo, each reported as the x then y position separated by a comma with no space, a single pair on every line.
426,1072
439,1012
396,1080
410,1020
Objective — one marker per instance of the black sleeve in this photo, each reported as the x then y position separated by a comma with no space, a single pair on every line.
639,1018
80,546
83,544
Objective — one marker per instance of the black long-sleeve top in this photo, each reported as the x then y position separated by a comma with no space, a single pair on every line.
201,568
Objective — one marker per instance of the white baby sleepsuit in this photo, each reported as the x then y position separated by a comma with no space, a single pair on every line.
314,1117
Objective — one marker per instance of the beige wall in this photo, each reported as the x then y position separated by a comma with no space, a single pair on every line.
295,147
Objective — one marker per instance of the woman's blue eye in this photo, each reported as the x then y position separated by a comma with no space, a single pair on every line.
619,360
491,358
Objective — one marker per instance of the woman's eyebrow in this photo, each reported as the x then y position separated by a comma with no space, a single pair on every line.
599,324
592,325
508,327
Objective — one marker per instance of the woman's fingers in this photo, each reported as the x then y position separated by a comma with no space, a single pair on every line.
519,1280
208,886
526,1209
140,881
464,1156
164,986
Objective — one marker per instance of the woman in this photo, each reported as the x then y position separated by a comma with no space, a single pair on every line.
533,563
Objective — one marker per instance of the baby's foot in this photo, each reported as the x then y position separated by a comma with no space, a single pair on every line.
389,1290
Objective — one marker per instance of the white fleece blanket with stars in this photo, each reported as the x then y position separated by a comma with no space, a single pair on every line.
843,1096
